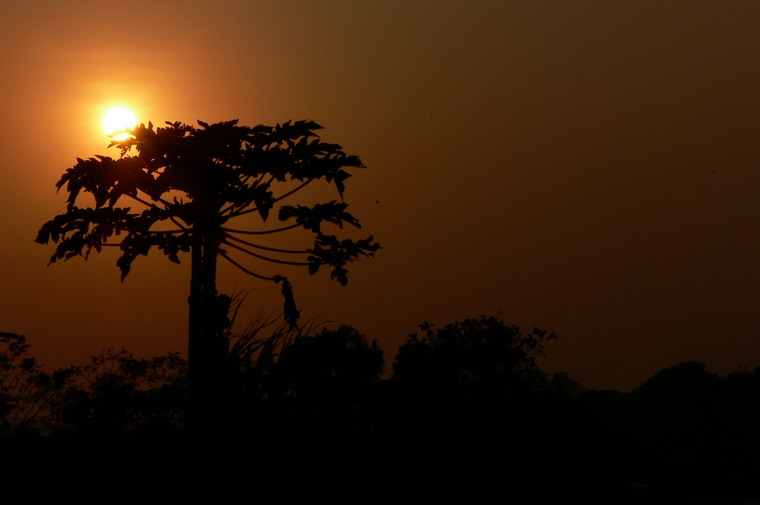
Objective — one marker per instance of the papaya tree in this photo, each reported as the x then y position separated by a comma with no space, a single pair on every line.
178,188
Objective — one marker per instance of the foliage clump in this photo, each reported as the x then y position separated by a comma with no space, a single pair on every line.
24,387
471,360
118,392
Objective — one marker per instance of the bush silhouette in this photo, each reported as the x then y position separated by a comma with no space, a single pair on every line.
118,393
332,363
467,411
474,360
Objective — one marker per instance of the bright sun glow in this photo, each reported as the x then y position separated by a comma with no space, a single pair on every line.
118,121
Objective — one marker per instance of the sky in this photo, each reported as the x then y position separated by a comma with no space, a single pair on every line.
587,167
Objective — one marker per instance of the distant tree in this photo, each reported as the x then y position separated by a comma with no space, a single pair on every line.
338,362
117,392
23,384
468,404
689,379
324,401
679,404
473,360
188,184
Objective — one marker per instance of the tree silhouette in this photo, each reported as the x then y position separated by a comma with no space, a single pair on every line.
117,392
23,384
466,390
333,364
474,360
187,183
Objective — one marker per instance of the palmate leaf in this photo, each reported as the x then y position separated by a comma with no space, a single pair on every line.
328,250
140,244
107,180
80,230
311,218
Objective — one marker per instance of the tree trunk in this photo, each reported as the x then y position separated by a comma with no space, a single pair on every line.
204,352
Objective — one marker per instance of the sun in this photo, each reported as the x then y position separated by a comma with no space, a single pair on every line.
118,121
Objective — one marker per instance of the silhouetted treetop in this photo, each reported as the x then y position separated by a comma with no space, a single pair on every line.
184,177
337,361
684,379
474,358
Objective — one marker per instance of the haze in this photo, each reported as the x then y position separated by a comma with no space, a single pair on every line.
588,167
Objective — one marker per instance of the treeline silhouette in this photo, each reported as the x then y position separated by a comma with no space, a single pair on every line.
465,416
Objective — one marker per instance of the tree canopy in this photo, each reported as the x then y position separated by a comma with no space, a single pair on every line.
185,184
474,358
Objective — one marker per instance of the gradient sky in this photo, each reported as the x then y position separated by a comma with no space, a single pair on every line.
587,167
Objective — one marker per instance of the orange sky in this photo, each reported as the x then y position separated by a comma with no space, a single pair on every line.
586,167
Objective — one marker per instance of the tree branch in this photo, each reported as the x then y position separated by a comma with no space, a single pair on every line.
265,258
224,255
282,197
174,220
276,230
286,251
161,232
300,187
154,206
147,204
